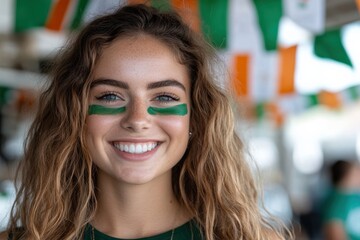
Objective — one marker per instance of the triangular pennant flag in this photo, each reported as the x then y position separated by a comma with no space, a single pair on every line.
269,13
329,45
31,14
214,21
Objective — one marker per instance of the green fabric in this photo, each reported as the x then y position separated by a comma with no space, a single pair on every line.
79,14
329,45
269,13
214,21
31,14
187,231
163,5
344,207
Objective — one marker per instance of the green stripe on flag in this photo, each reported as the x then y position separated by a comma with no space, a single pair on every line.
163,5
354,92
329,45
31,14
214,21
79,14
313,100
269,13
260,110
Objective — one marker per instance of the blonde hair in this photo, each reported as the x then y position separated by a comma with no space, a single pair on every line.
56,198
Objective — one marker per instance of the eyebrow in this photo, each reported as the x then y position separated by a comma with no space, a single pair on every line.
166,83
153,85
111,82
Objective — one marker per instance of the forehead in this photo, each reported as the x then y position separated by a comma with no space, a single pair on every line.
141,57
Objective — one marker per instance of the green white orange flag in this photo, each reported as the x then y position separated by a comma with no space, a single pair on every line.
329,45
257,75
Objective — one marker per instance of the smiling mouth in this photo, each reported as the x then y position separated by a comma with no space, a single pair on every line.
135,148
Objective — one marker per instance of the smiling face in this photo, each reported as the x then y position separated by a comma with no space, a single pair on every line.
138,122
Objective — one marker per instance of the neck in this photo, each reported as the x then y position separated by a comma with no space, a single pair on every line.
134,211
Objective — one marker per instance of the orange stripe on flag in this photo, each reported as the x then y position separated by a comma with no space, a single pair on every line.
287,70
358,4
57,15
330,99
189,11
275,113
240,74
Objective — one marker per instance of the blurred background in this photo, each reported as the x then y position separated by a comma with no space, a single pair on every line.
294,66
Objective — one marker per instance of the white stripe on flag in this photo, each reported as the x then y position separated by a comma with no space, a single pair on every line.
309,14
7,12
96,8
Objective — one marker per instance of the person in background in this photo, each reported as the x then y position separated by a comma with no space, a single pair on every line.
342,207
134,139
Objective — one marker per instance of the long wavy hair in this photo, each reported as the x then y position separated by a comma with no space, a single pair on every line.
56,196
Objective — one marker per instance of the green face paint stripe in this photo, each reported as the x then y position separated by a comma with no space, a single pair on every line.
180,109
101,110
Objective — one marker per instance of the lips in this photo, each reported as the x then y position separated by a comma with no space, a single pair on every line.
135,148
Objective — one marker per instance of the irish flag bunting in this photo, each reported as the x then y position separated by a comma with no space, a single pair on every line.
245,31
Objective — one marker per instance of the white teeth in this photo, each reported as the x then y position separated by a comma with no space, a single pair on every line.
136,148
132,148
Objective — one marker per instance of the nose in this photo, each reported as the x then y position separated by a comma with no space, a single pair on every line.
136,117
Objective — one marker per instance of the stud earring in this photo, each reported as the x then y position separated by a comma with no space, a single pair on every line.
190,134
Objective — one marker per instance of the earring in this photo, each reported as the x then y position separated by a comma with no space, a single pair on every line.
190,134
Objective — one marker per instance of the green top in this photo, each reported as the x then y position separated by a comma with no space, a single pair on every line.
187,231
344,207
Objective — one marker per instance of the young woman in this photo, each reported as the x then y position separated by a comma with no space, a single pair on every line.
133,139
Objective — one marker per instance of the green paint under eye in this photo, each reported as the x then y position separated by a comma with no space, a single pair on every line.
101,110
180,109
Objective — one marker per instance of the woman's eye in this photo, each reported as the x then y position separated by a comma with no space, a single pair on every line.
109,97
166,98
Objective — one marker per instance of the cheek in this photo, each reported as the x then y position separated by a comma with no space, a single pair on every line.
97,126
175,126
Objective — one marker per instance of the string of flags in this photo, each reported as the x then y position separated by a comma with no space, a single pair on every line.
246,32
